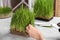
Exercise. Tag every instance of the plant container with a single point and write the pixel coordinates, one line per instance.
(44, 9)
(5, 9)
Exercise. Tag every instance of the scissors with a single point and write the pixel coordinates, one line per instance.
(48, 26)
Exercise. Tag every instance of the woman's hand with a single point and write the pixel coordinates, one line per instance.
(33, 32)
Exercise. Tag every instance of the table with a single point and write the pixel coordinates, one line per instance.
(49, 33)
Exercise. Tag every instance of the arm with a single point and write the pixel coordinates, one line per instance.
(33, 32)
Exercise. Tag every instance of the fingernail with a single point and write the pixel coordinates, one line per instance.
(29, 24)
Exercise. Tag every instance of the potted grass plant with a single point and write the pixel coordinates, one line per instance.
(44, 9)
(5, 12)
(5, 9)
(20, 20)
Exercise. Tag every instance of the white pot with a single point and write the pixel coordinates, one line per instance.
(4, 26)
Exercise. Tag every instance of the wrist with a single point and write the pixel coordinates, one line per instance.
(40, 36)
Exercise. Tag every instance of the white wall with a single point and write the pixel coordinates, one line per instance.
(9, 3)
(31, 4)
(1, 4)
(5, 3)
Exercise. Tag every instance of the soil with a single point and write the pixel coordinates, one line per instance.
(44, 19)
(13, 31)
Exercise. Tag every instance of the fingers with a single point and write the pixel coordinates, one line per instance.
(29, 27)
